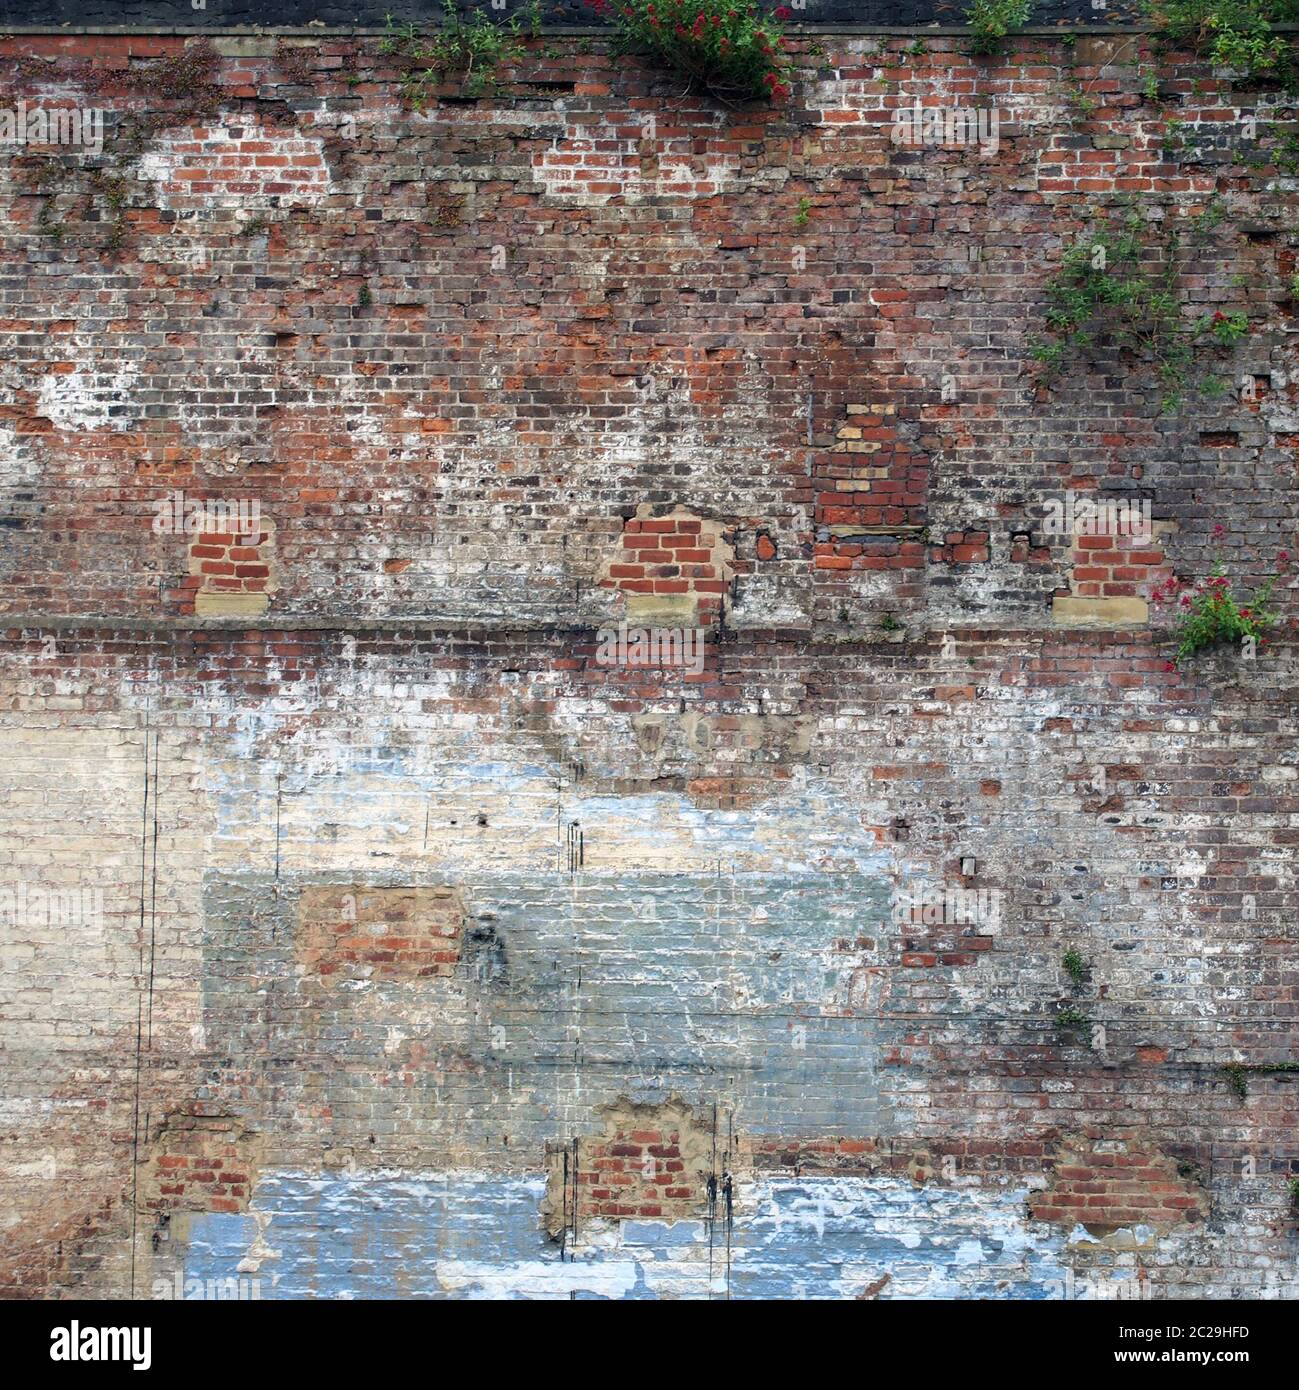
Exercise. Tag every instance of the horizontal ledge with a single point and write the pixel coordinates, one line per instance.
(577, 31)
(825, 632)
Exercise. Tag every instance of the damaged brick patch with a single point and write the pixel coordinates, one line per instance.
(675, 569)
(233, 575)
(199, 1163)
(1105, 1185)
(651, 1161)
(368, 933)
(1110, 578)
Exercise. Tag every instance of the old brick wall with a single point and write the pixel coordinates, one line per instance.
(416, 926)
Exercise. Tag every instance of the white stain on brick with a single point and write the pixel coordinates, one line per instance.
(90, 398)
(585, 168)
(236, 165)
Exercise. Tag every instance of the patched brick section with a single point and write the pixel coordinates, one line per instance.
(925, 945)
(231, 575)
(650, 1161)
(871, 496)
(1110, 578)
(367, 933)
(961, 548)
(200, 1163)
(1110, 566)
(1108, 1184)
(676, 569)
(873, 480)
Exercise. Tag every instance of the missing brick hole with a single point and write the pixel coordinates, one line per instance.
(1219, 439)
(484, 953)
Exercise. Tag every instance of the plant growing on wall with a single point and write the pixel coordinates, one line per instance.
(1238, 1073)
(732, 49)
(1119, 283)
(1208, 613)
(991, 21)
(475, 48)
(1075, 966)
(1070, 1019)
(1236, 34)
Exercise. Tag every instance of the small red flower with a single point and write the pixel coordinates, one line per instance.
(783, 12)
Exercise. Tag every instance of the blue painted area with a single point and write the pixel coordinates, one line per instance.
(456, 1235)
(755, 986)
(828, 1237)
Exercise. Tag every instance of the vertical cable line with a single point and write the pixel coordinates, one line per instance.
(153, 893)
(139, 1003)
(712, 1204)
(730, 1197)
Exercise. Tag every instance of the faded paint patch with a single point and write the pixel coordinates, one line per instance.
(663, 982)
(467, 1235)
